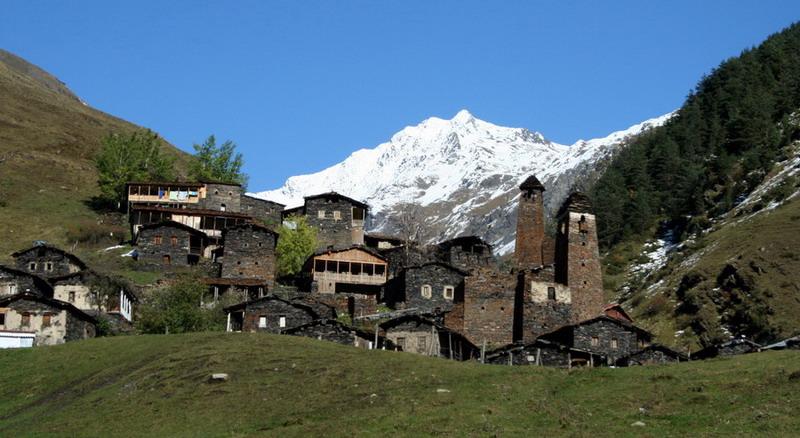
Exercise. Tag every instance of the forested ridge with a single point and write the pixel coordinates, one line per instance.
(718, 147)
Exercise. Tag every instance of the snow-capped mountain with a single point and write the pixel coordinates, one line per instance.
(462, 175)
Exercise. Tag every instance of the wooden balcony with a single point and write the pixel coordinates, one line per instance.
(347, 277)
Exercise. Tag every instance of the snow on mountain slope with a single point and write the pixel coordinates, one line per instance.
(463, 173)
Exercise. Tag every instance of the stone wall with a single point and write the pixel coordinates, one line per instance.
(435, 277)
(219, 195)
(62, 326)
(153, 252)
(600, 336)
(272, 310)
(349, 304)
(528, 250)
(489, 302)
(333, 331)
(13, 282)
(578, 264)
(467, 258)
(333, 220)
(415, 336)
(266, 212)
(537, 354)
(649, 356)
(546, 305)
(249, 252)
(46, 262)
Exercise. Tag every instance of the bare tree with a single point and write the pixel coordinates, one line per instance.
(411, 223)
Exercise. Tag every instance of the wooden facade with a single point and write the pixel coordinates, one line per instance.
(354, 266)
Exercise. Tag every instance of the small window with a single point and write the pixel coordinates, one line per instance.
(422, 343)
(167, 259)
(614, 344)
(282, 321)
(46, 320)
(48, 266)
(230, 193)
(173, 240)
(551, 293)
(320, 214)
(71, 298)
(12, 289)
(32, 266)
(595, 341)
(262, 322)
(2, 318)
(426, 291)
(337, 215)
(26, 319)
(216, 192)
(448, 292)
(256, 263)
(259, 244)
(157, 240)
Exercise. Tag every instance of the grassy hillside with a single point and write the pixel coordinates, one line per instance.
(286, 386)
(48, 139)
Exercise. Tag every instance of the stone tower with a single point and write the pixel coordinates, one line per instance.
(578, 257)
(530, 225)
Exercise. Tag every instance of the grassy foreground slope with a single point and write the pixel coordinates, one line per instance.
(287, 386)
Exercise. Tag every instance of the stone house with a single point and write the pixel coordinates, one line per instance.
(729, 348)
(15, 281)
(651, 355)
(52, 321)
(174, 194)
(466, 253)
(432, 287)
(209, 222)
(416, 334)
(332, 330)
(169, 243)
(221, 196)
(339, 220)
(542, 353)
(609, 337)
(47, 261)
(267, 212)
(350, 279)
(94, 293)
(268, 314)
(249, 252)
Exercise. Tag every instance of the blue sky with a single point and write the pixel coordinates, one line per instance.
(300, 85)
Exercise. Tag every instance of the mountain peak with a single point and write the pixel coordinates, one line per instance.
(463, 116)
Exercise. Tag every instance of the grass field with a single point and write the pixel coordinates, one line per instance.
(287, 386)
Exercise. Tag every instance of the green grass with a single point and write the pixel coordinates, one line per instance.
(48, 140)
(287, 386)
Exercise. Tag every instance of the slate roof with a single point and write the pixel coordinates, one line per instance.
(338, 196)
(531, 183)
(245, 304)
(39, 282)
(70, 256)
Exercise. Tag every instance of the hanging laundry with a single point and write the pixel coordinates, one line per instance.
(173, 196)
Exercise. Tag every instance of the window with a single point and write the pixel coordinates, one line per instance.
(48, 266)
(174, 240)
(282, 321)
(167, 259)
(401, 342)
(157, 240)
(422, 343)
(337, 215)
(26, 319)
(320, 214)
(46, 320)
(380, 269)
(448, 292)
(595, 341)
(32, 266)
(221, 207)
(2, 318)
(262, 322)
(614, 344)
(426, 291)
(71, 298)
(319, 265)
(12, 289)
(551, 293)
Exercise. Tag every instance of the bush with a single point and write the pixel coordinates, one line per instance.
(176, 309)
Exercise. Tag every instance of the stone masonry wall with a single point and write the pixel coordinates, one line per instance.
(151, 252)
(578, 263)
(528, 250)
(489, 301)
(437, 277)
(40, 257)
(218, 194)
(249, 253)
(21, 283)
(272, 310)
(605, 331)
(266, 212)
(542, 313)
(333, 230)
